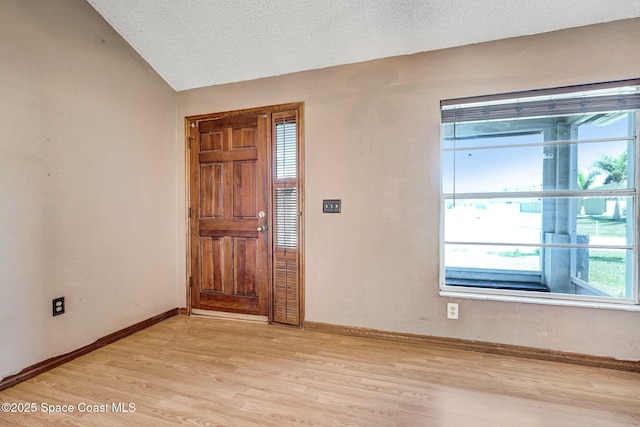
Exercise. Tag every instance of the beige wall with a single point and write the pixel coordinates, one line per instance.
(87, 182)
(92, 183)
(372, 139)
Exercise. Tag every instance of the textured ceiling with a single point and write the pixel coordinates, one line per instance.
(196, 43)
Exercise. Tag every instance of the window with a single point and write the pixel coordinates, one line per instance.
(286, 203)
(285, 183)
(539, 193)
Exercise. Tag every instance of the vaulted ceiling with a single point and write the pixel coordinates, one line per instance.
(197, 43)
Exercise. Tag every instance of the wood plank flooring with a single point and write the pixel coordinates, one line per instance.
(212, 372)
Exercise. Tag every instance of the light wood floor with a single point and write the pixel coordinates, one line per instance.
(203, 371)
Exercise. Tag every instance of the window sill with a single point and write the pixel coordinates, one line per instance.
(558, 300)
(498, 284)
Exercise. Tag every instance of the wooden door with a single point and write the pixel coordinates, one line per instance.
(229, 208)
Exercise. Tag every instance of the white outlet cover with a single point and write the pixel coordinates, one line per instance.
(452, 310)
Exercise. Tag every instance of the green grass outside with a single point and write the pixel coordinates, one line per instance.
(607, 272)
(602, 226)
(516, 253)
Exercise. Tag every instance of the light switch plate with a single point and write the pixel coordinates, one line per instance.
(332, 206)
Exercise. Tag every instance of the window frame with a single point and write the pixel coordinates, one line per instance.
(474, 292)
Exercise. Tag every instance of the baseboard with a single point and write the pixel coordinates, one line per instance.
(183, 311)
(481, 347)
(51, 363)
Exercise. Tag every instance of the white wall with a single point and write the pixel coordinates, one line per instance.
(372, 140)
(87, 182)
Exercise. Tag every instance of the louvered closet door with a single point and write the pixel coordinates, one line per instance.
(230, 194)
(286, 298)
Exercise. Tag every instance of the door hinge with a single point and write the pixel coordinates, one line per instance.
(190, 282)
(189, 213)
(189, 138)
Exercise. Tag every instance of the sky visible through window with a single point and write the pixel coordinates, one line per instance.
(478, 171)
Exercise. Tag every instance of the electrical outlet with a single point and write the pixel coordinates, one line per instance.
(58, 306)
(452, 310)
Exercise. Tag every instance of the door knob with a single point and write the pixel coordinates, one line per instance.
(262, 228)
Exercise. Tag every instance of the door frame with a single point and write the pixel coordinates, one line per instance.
(268, 110)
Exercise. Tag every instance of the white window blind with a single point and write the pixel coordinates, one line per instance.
(286, 217)
(286, 148)
(285, 183)
(603, 97)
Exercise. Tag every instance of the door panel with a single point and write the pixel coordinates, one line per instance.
(212, 264)
(245, 275)
(211, 191)
(244, 138)
(229, 188)
(211, 141)
(245, 183)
